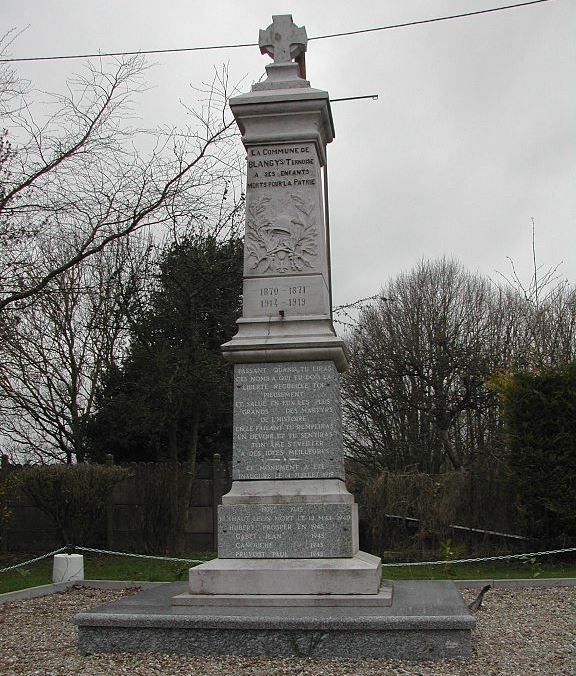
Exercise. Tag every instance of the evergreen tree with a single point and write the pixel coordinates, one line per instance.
(172, 394)
(539, 411)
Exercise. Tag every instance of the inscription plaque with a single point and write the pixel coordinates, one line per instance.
(303, 295)
(286, 531)
(287, 421)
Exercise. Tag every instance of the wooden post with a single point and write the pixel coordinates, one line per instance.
(109, 462)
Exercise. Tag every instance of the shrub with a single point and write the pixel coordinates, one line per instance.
(430, 498)
(480, 497)
(163, 493)
(73, 496)
(539, 411)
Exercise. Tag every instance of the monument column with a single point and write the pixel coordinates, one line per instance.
(288, 526)
(289, 579)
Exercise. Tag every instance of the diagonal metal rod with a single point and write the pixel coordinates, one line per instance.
(374, 97)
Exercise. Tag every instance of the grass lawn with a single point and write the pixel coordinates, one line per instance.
(540, 567)
(100, 567)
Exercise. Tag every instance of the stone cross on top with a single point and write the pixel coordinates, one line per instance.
(283, 40)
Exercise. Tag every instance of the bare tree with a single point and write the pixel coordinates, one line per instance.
(79, 173)
(415, 395)
(53, 357)
(12, 88)
(546, 314)
(75, 187)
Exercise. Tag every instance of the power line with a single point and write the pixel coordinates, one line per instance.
(423, 21)
(254, 44)
(142, 51)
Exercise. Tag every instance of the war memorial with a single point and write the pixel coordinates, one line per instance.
(289, 578)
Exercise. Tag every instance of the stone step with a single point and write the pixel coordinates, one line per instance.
(360, 574)
(426, 620)
(383, 598)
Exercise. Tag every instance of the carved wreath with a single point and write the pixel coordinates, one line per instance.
(285, 243)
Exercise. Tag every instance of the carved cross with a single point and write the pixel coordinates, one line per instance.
(283, 40)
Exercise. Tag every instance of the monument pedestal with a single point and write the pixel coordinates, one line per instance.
(427, 620)
(310, 526)
(284, 529)
(356, 575)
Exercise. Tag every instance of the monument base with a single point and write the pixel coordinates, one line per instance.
(427, 620)
(359, 574)
(382, 598)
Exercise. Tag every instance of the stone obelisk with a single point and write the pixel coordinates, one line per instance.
(288, 526)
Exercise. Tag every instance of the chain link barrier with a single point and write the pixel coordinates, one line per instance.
(483, 558)
(136, 556)
(92, 550)
(38, 558)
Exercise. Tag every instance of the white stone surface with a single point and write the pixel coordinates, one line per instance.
(68, 567)
(274, 339)
(289, 491)
(306, 511)
(285, 116)
(382, 599)
(294, 295)
(281, 76)
(285, 230)
(357, 575)
(283, 40)
(285, 138)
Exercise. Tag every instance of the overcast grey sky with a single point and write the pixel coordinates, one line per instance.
(474, 132)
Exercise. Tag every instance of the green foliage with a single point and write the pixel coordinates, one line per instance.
(100, 567)
(173, 388)
(539, 410)
(534, 565)
(73, 496)
(451, 552)
(485, 570)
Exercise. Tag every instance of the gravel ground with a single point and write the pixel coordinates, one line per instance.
(520, 631)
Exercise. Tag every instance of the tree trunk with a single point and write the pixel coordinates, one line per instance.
(190, 466)
(454, 461)
(173, 489)
(192, 448)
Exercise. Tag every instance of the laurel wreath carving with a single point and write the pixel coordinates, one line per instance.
(285, 243)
